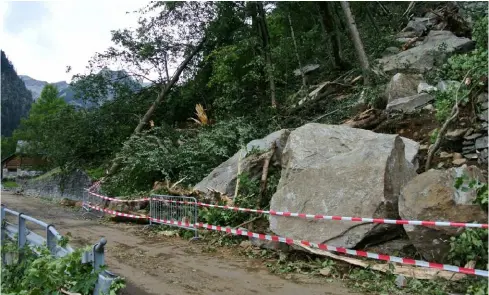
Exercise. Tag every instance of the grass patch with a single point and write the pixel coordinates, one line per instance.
(96, 173)
(10, 184)
(48, 174)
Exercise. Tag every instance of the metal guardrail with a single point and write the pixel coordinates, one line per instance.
(26, 237)
(174, 208)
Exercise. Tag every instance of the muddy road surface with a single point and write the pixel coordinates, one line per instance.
(170, 265)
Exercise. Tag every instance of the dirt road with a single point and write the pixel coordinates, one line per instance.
(170, 265)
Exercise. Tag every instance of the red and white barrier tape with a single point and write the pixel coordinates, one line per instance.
(408, 261)
(311, 216)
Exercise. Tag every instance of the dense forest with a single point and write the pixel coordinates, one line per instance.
(217, 75)
(16, 99)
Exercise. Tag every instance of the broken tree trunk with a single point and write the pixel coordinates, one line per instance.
(301, 69)
(263, 30)
(264, 175)
(165, 89)
(357, 41)
(330, 23)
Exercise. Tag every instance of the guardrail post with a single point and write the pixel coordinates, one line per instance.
(22, 232)
(98, 254)
(2, 217)
(50, 240)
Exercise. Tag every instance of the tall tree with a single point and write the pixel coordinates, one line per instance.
(301, 69)
(260, 22)
(38, 129)
(357, 41)
(167, 32)
(331, 27)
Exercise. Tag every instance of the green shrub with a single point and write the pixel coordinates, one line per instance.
(162, 153)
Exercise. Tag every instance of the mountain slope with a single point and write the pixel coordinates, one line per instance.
(16, 99)
(67, 93)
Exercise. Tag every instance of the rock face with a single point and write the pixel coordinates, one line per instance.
(422, 58)
(402, 85)
(223, 178)
(432, 196)
(338, 170)
(409, 104)
(56, 186)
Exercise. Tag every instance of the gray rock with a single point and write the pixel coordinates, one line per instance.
(425, 87)
(402, 85)
(390, 51)
(429, 107)
(482, 157)
(403, 39)
(418, 25)
(455, 134)
(483, 126)
(407, 34)
(459, 162)
(55, 185)
(468, 142)
(270, 245)
(422, 58)
(472, 136)
(432, 196)
(472, 156)
(401, 281)
(484, 105)
(481, 143)
(468, 150)
(482, 98)
(446, 85)
(223, 177)
(307, 69)
(445, 155)
(409, 104)
(338, 170)
(483, 116)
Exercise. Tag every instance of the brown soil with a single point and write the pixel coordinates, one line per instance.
(170, 265)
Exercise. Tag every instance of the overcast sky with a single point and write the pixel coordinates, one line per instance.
(42, 38)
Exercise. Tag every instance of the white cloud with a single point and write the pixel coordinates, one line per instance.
(72, 33)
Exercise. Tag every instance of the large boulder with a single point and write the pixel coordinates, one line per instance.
(432, 196)
(402, 85)
(409, 104)
(223, 178)
(338, 170)
(422, 57)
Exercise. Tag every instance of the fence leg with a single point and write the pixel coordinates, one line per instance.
(150, 210)
(50, 240)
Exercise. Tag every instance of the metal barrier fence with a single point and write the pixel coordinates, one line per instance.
(174, 208)
(90, 199)
(26, 237)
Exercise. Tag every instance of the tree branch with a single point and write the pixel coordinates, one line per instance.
(453, 115)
